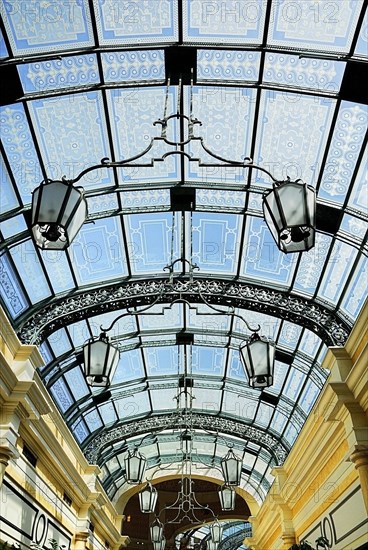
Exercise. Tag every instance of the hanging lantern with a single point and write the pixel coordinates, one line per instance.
(212, 545)
(216, 531)
(100, 361)
(290, 213)
(157, 531)
(227, 497)
(58, 212)
(147, 499)
(159, 545)
(135, 465)
(258, 356)
(186, 444)
(231, 468)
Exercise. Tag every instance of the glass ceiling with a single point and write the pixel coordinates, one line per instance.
(274, 81)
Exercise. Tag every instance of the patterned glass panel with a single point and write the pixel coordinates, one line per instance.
(310, 25)
(237, 22)
(13, 225)
(72, 136)
(136, 22)
(19, 149)
(227, 65)
(357, 290)
(321, 75)
(8, 197)
(210, 361)
(149, 241)
(133, 66)
(98, 252)
(281, 146)
(215, 242)
(76, 383)
(65, 25)
(10, 288)
(130, 367)
(30, 271)
(359, 195)
(344, 150)
(54, 74)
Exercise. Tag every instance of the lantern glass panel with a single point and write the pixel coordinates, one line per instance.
(156, 531)
(148, 499)
(216, 531)
(212, 545)
(227, 498)
(231, 469)
(100, 361)
(135, 465)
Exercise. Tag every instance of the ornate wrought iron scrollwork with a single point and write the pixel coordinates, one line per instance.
(332, 328)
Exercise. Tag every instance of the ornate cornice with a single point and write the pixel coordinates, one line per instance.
(333, 329)
(212, 424)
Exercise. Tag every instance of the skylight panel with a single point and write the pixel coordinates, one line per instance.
(357, 291)
(59, 342)
(140, 22)
(30, 271)
(149, 240)
(3, 48)
(60, 73)
(130, 367)
(216, 242)
(322, 75)
(12, 226)
(58, 268)
(134, 66)
(162, 361)
(77, 383)
(226, 114)
(312, 264)
(210, 361)
(220, 198)
(10, 288)
(8, 199)
(61, 395)
(162, 317)
(143, 198)
(344, 150)
(362, 43)
(65, 26)
(231, 22)
(359, 193)
(98, 252)
(261, 259)
(338, 269)
(292, 135)
(164, 399)
(311, 25)
(227, 65)
(72, 135)
(19, 148)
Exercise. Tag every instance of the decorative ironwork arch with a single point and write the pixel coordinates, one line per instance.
(200, 421)
(332, 328)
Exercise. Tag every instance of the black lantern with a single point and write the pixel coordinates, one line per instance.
(290, 213)
(231, 468)
(157, 531)
(58, 212)
(100, 360)
(258, 355)
(227, 497)
(135, 465)
(186, 443)
(216, 531)
(148, 499)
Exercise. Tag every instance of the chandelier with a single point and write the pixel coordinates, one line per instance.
(59, 209)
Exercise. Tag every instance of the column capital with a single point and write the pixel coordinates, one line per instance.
(359, 456)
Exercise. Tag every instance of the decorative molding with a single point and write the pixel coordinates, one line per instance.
(210, 423)
(332, 328)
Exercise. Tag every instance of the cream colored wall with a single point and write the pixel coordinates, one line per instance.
(28, 415)
(322, 488)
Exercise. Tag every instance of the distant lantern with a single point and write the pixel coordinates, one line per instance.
(58, 212)
(290, 213)
(216, 531)
(135, 465)
(231, 468)
(157, 531)
(100, 360)
(258, 355)
(147, 499)
(227, 497)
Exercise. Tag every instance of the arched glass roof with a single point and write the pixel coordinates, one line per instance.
(279, 82)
